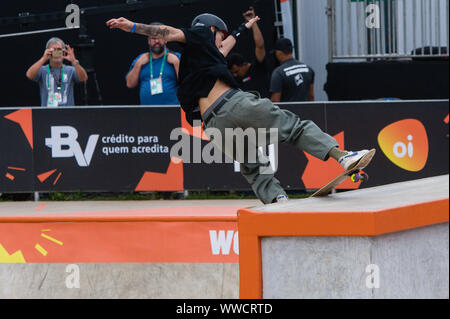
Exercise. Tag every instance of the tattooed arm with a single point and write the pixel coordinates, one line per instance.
(164, 32)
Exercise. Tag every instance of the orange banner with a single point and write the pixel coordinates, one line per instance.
(121, 241)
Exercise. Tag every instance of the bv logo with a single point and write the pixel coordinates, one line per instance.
(67, 136)
(405, 143)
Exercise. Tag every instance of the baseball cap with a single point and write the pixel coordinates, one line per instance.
(284, 45)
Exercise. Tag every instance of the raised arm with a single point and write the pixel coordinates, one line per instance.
(34, 69)
(164, 32)
(70, 56)
(260, 51)
(230, 41)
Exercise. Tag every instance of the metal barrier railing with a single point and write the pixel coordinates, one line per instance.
(387, 29)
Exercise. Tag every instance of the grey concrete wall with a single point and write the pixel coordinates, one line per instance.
(121, 280)
(312, 41)
(412, 264)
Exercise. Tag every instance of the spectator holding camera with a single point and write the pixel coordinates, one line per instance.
(56, 79)
(252, 75)
(156, 73)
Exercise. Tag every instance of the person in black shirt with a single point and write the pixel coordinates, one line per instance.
(252, 75)
(292, 81)
(207, 90)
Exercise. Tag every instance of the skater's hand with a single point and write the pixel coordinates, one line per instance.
(121, 23)
(251, 22)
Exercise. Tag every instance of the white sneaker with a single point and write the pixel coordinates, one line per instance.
(351, 159)
(281, 198)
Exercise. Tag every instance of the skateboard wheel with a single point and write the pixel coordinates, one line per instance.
(355, 178)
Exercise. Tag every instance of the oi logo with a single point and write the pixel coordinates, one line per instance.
(405, 143)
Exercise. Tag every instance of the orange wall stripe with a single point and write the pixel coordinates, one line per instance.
(250, 270)
(129, 242)
(411, 216)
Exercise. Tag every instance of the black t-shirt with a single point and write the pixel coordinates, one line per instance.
(201, 65)
(257, 78)
(292, 79)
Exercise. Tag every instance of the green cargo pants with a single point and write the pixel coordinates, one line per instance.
(245, 110)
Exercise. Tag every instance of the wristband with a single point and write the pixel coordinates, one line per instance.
(133, 28)
(241, 29)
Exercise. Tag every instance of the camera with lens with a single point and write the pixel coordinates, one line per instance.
(57, 53)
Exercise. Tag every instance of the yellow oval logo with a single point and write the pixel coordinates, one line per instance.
(405, 143)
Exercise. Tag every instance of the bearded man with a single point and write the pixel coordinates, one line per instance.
(156, 73)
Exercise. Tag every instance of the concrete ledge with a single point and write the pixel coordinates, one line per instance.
(381, 225)
(411, 264)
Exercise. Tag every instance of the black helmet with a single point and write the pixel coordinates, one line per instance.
(208, 20)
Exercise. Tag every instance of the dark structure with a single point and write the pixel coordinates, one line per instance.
(413, 79)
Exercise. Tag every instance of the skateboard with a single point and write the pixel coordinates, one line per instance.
(354, 173)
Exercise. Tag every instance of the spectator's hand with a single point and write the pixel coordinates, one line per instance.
(121, 23)
(249, 14)
(47, 54)
(251, 22)
(143, 59)
(172, 58)
(70, 54)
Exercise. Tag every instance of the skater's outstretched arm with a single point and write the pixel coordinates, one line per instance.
(167, 33)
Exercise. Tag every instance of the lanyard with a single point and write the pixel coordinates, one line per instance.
(48, 77)
(162, 65)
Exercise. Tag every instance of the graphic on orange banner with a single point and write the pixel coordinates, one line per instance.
(446, 121)
(25, 120)
(40, 207)
(405, 143)
(172, 180)
(16, 257)
(11, 176)
(189, 234)
(197, 131)
(318, 173)
(43, 177)
(17, 168)
(57, 178)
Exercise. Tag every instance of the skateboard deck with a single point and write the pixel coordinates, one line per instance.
(354, 173)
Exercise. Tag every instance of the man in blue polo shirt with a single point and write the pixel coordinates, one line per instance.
(156, 73)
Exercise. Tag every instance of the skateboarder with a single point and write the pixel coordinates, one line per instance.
(208, 91)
